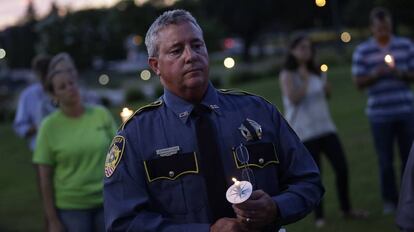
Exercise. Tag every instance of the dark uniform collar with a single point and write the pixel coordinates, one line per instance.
(183, 109)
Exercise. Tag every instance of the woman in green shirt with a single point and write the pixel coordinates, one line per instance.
(70, 153)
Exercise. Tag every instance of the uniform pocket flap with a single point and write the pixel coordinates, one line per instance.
(260, 155)
(171, 167)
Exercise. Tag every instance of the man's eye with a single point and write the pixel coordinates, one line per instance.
(175, 52)
(198, 46)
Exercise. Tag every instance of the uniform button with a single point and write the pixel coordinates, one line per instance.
(171, 173)
(261, 161)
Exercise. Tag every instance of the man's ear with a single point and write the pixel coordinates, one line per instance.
(153, 63)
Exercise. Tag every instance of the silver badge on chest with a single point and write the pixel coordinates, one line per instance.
(251, 130)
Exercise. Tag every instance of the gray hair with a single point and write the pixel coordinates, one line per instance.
(167, 18)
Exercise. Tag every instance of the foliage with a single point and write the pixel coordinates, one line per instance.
(134, 95)
(402, 11)
(246, 76)
(101, 33)
(159, 91)
(247, 18)
(19, 42)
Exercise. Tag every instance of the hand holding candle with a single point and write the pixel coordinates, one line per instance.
(324, 69)
(389, 60)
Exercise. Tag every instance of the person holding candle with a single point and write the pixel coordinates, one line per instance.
(304, 93)
(70, 153)
(170, 164)
(384, 66)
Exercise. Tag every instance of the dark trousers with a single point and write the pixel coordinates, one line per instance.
(83, 220)
(330, 145)
(385, 134)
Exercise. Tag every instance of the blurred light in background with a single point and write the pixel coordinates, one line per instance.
(145, 75)
(324, 68)
(228, 43)
(125, 114)
(103, 79)
(346, 37)
(164, 2)
(62, 12)
(169, 2)
(2, 53)
(229, 62)
(122, 6)
(139, 2)
(137, 40)
(320, 3)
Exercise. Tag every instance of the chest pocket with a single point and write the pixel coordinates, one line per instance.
(260, 156)
(263, 161)
(168, 179)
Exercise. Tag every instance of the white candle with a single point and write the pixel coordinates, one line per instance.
(239, 192)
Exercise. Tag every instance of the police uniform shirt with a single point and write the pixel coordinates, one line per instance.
(153, 181)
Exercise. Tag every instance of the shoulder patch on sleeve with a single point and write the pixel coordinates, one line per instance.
(150, 106)
(241, 93)
(114, 155)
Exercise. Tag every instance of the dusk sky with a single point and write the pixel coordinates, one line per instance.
(12, 10)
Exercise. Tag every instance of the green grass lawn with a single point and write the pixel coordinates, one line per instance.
(20, 206)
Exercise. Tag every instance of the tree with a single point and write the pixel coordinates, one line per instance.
(244, 18)
(93, 33)
(250, 19)
(402, 12)
(19, 40)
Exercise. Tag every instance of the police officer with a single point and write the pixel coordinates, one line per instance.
(170, 164)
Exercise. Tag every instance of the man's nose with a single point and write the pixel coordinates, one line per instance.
(189, 54)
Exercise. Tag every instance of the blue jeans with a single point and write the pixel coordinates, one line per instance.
(385, 133)
(88, 220)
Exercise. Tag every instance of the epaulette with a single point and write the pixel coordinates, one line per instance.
(234, 92)
(150, 106)
(241, 93)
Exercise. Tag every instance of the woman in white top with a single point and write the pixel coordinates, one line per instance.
(304, 92)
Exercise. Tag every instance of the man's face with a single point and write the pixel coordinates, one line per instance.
(182, 61)
(381, 28)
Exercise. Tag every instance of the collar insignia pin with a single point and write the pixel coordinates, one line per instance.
(183, 114)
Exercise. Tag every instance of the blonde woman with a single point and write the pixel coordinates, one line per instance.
(70, 153)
